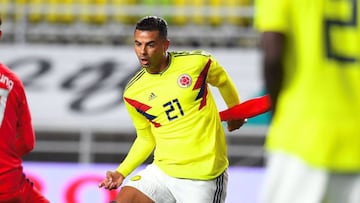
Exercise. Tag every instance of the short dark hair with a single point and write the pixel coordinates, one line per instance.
(153, 23)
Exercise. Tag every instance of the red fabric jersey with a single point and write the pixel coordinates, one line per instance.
(16, 132)
(247, 109)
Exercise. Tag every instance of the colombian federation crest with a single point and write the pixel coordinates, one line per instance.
(184, 80)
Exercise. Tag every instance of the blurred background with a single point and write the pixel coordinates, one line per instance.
(110, 22)
(75, 57)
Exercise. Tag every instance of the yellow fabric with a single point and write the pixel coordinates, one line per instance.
(185, 124)
(318, 112)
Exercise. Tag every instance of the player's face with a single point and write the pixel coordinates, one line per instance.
(151, 50)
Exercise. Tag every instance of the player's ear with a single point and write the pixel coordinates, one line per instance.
(166, 45)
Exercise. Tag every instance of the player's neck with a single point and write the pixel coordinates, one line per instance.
(166, 64)
(163, 66)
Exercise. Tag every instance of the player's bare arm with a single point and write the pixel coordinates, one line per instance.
(273, 46)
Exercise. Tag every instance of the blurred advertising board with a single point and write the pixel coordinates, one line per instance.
(72, 87)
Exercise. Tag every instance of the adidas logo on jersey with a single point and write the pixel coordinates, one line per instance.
(152, 96)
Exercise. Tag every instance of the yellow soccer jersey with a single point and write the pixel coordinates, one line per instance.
(318, 111)
(178, 106)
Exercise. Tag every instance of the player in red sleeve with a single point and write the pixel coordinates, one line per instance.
(247, 109)
(16, 140)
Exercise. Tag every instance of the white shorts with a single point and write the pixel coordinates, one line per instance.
(289, 179)
(162, 188)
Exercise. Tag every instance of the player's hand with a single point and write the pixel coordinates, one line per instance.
(113, 180)
(235, 124)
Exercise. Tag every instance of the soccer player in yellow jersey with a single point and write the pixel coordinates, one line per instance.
(312, 72)
(175, 115)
